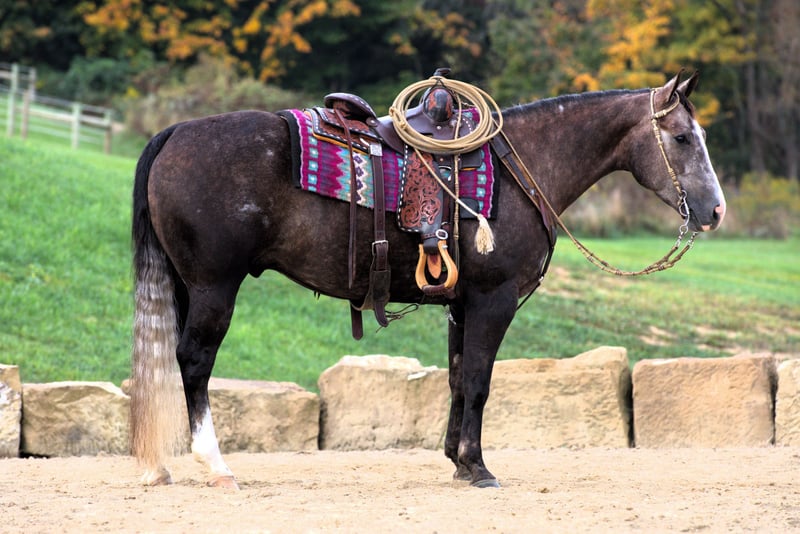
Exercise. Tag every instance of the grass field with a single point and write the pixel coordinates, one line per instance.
(66, 304)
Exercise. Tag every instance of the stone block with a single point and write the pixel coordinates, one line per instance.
(380, 402)
(259, 416)
(697, 402)
(582, 401)
(10, 410)
(74, 419)
(787, 404)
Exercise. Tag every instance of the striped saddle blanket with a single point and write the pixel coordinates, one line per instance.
(323, 167)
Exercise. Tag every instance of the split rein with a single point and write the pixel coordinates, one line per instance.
(487, 129)
(668, 260)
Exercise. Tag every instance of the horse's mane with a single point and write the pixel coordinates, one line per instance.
(548, 104)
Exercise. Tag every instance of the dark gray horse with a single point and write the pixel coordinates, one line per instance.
(214, 201)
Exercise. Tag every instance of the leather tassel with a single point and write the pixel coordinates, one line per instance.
(484, 238)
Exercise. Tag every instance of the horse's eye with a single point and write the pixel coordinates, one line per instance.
(682, 139)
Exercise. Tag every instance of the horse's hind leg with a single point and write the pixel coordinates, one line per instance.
(205, 325)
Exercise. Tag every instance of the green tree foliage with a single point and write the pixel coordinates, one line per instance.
(519, 50)
(43, 32)
(387, 46)
(540, 50)
(94, 81)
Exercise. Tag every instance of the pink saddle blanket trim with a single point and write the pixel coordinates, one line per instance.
(324, 168)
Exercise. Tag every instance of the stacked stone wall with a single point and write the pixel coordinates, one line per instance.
(380, 402)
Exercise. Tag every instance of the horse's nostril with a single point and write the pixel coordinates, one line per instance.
(719, 214)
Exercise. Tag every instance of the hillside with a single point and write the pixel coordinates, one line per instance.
(64, 245)
(66, 285)
(66, 305)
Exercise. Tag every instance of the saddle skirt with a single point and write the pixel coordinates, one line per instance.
(321, 163)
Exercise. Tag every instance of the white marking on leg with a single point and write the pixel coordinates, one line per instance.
(156, 477)
(205, 447)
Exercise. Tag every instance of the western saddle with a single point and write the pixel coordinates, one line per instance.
(424, 206)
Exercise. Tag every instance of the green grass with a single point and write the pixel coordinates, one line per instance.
(64, 282)
(66, 305)
(726, 296)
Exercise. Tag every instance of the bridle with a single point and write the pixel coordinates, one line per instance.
(683, 207)
(532, 190)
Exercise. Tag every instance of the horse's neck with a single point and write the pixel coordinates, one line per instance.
(569, 143)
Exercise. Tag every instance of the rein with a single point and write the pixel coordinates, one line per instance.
(532, 190)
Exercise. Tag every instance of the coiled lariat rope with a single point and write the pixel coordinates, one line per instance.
(487, 127)
(464, 93)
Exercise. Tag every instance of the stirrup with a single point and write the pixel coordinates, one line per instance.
(452, 271)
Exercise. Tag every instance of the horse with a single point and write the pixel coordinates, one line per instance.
(213, 202)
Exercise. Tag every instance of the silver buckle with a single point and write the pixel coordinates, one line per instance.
(379, 242)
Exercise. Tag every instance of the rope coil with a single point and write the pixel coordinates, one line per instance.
(466, 95)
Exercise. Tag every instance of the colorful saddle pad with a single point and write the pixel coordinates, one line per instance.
(324, 167)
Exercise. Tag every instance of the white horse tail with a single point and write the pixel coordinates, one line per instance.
(158, 420)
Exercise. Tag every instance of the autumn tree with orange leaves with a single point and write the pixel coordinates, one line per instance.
(247, 33)
(748, 52)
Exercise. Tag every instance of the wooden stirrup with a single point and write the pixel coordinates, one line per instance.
(452, 271)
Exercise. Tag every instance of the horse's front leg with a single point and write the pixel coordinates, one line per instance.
(207, 323)
(455, 348)
(487, 316)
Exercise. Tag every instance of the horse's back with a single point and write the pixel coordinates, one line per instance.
(226, 144)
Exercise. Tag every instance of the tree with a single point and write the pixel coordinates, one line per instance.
(541, 49)
(40, 32)
(249, 33)
(749, 52)
(387, 46)
(786, 42)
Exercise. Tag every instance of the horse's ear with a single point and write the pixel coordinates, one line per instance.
(687, 86)
(665, 93)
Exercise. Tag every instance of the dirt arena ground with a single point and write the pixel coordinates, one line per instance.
(561, 490)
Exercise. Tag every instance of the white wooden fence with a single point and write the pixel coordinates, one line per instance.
(25, 112)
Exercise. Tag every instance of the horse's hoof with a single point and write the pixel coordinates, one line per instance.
(224, 481)
(158, 477)
(462, 473)
(486, 483)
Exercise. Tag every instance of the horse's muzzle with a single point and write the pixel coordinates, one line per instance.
(716, 218)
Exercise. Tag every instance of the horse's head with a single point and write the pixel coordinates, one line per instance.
(673, 159)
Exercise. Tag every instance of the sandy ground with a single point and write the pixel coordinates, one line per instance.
(590, 490)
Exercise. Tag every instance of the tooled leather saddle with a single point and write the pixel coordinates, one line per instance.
(423, 206)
